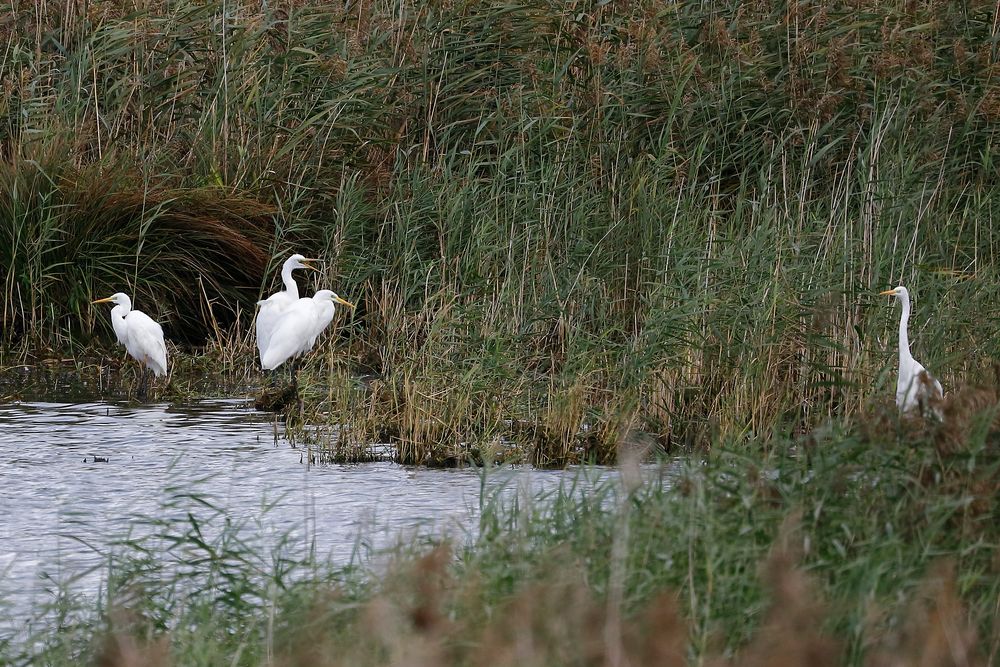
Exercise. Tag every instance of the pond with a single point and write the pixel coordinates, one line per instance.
(75, 476)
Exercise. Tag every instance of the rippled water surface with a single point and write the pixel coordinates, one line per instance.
(59, 508)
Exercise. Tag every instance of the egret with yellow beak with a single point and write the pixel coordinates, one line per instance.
(141, 336)
(916, 388)
(272, 308)
(299, 327)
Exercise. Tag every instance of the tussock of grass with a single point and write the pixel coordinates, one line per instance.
(191, 258)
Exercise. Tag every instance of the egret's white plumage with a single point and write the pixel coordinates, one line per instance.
(915, 386)
(272, 308)
(324, 313)
(141, 336)
(299, 326)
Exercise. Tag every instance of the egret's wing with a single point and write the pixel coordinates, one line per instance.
(145, 341)
(268, 317)
(908, 385)
(291, 335)
(324, 315)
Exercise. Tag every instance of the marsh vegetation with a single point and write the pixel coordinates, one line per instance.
(571, 230)
(617, 216)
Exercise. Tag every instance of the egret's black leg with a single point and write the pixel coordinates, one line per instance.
(143, 384)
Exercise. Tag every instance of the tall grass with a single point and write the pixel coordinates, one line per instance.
(870, 545)
(592, 218)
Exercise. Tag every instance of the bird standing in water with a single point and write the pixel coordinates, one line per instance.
(141, 336)
(916, 388)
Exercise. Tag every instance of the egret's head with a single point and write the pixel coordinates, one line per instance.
(898, 292)
(345, 302)
(118, 298)
(298, 261)
(328, 295)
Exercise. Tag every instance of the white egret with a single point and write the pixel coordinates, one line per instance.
(141, 336)
(915, 386)
(273, 306)
(299, 327)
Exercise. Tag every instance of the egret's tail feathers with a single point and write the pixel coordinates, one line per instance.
(158, 366)
(273, 357)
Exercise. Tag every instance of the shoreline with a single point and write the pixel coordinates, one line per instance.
(315, 420)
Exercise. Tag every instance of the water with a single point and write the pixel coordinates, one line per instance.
(60, 509)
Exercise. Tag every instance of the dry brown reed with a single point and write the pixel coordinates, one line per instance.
(425, 617)
(130, 642)
(937, 631)
(791, 634)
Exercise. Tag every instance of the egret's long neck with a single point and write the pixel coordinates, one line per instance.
(290, 286)
(118, 314)
(904, 339)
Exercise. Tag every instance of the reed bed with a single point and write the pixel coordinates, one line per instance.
(563, 222)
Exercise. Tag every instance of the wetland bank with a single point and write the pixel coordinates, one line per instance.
(575, 233)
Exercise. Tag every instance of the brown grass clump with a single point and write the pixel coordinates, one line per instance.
(969, 426)
(192, 258)
(937, 632)
(950, 423)
(124, 646)
(552, 622)
(658, 636)
(962, 411)
(967, 412)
